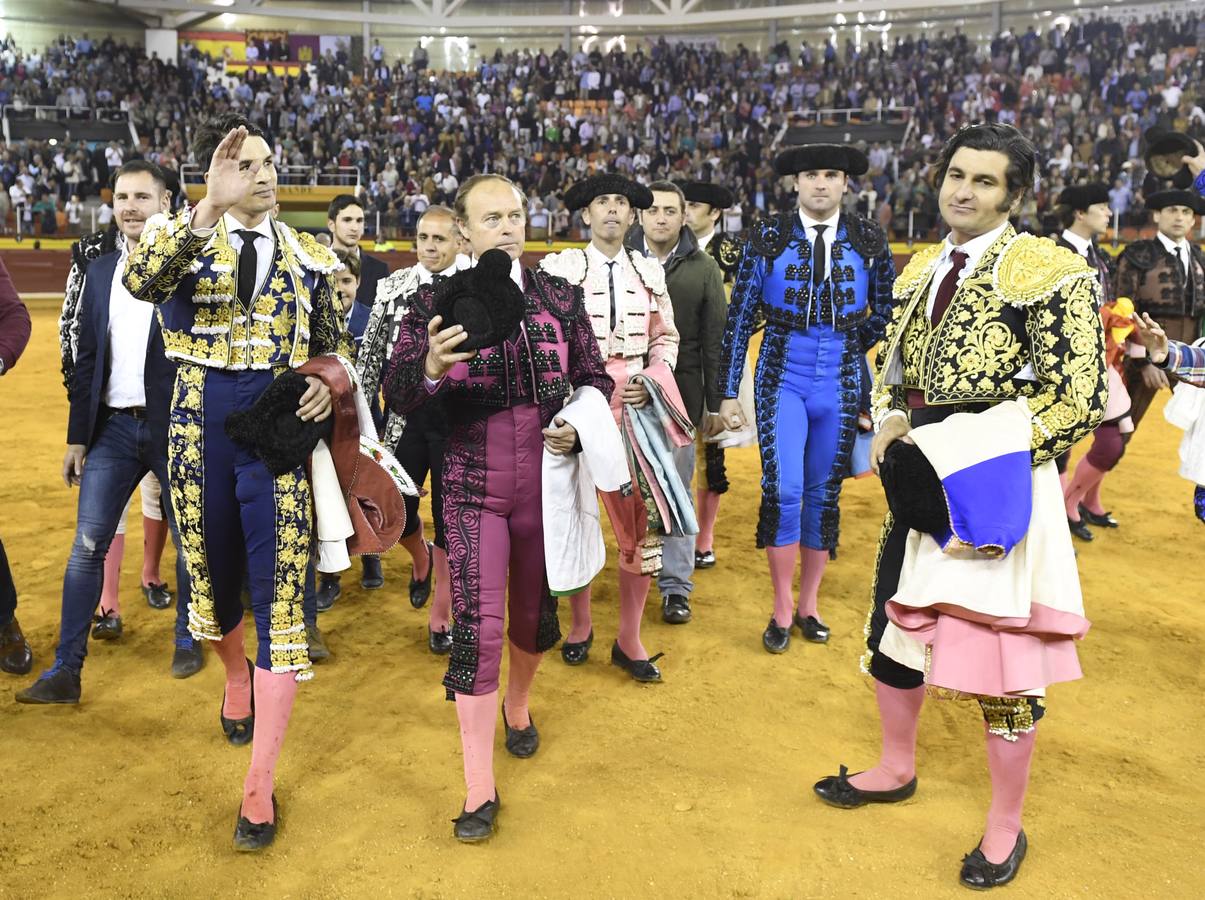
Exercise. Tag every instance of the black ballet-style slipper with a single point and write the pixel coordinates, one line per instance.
(252, 836)
(837, 791)
(980, 875)
(575, 654)
(521, 742)
(642, 670)
(472, 827)
(240, 731)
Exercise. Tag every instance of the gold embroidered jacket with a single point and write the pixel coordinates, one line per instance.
(193, 280)
(1028, 303)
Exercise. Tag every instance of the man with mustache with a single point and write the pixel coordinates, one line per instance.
(1000, 628)
(417, 438)
(633, 320)
(116, 430)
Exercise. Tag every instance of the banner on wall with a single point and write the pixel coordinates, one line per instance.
(304, 48)
(268, 46)
(230, 45)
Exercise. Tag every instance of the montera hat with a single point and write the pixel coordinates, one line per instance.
(1081, 196)
(813, 157)
(580, 195)
(273, 431)
(483, 300)
(714, 195)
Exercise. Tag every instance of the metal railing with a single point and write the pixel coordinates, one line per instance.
(290, 176)
(849, 115)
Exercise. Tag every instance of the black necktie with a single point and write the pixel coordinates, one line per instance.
(611, 286)
(819, 257)
(247, 259)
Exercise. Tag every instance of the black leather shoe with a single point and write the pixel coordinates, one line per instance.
(1104, 520)
(372, 576)
(775, 638)
(837, 791)
(675, 609)
(54, 686)
(318, 649)
(1080, 530)
(521, 742)
(812, 629)
(157, 596)
(576, 654)
(16, 657)
(239, 731)
(478, 825)
(107, 627)
(704, 560)
(187, 661)
(643, 670)
(982, 875)
(439, 642)
(251, 836)
(421, 590)
(329, 589)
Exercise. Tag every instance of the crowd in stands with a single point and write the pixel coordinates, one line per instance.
(1084, 92)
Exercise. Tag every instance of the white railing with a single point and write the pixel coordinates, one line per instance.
(291, 176)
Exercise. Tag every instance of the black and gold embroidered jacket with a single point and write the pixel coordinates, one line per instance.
(1154, 279)
(193, 280)
(725, 249)
(1027, 303)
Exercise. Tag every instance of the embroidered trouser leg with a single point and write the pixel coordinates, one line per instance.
(236, 517)
(493, 520)
(639, 552)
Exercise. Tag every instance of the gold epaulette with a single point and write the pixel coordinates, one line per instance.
(916, 271)
(1031, 269)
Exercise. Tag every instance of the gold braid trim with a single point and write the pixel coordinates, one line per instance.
(864, 660)
(916, 272)
(288, 649)
(1031, 269)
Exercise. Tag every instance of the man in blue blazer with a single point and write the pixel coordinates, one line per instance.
(116, 432)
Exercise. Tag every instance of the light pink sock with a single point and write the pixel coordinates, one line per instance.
(154, 538)
(583, 623)
(522, 673)
(274, 696)
(709, 511)
(1086, 475)
(810, 573)
(109, 602)
(416, 546)
(1064, 478)
(1008, 762)
(232, 651)
(441, 606)
(899, 713)
(782, 576)
(1092, 501)
(633, 592)
(478, 717)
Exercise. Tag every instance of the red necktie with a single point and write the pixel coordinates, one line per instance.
(949, 284)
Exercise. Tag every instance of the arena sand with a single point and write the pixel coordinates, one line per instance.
(699, 787)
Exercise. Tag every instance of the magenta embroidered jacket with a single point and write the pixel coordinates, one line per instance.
(553, 353)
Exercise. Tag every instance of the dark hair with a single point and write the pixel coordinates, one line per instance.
(210, 133)
(340, 203)
(1022, 158)
(349, 261)
(669, 187)
(462, 195)
(1066, 213)
(134, 166)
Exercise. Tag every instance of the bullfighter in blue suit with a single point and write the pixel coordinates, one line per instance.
(820, 280)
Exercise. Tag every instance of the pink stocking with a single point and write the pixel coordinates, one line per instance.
(416, 546)
(522, 673)
(478, 718)
(579, 605)
(1008, 762)
(1086, 476)
(154, 537)
(1092, 501)
(633, 592)
(274, 695)
(109, 602)
(709, 510)
(441, 606)
(899, 712)
(232, 652)
(810, 574)
(782, 576)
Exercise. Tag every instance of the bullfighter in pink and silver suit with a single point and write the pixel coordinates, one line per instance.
(502, 403)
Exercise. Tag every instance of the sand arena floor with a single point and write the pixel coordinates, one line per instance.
(699, 787)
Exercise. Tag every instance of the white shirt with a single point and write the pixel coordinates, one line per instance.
(265, 247)
(830, 235)
(706, 239)
(1179, 249)
(649, 251)
(974, 249)
(1080, 244)
(129, 329)
(623, 273)
(426, 276)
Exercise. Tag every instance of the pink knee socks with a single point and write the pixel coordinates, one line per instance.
(583, 623)
(522, 673)
(633, 592)
(709, 509)
(810, 575)
(782, 577)
(1008, 762)
(233, 654)
(1085, 478)
(1092, 501)
(478, 717)
(154, 538)
(416, 546)
(274, 695)
(441, 606)
(899, 712)
(109, 602)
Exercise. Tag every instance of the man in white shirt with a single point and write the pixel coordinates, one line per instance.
(120, 397)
